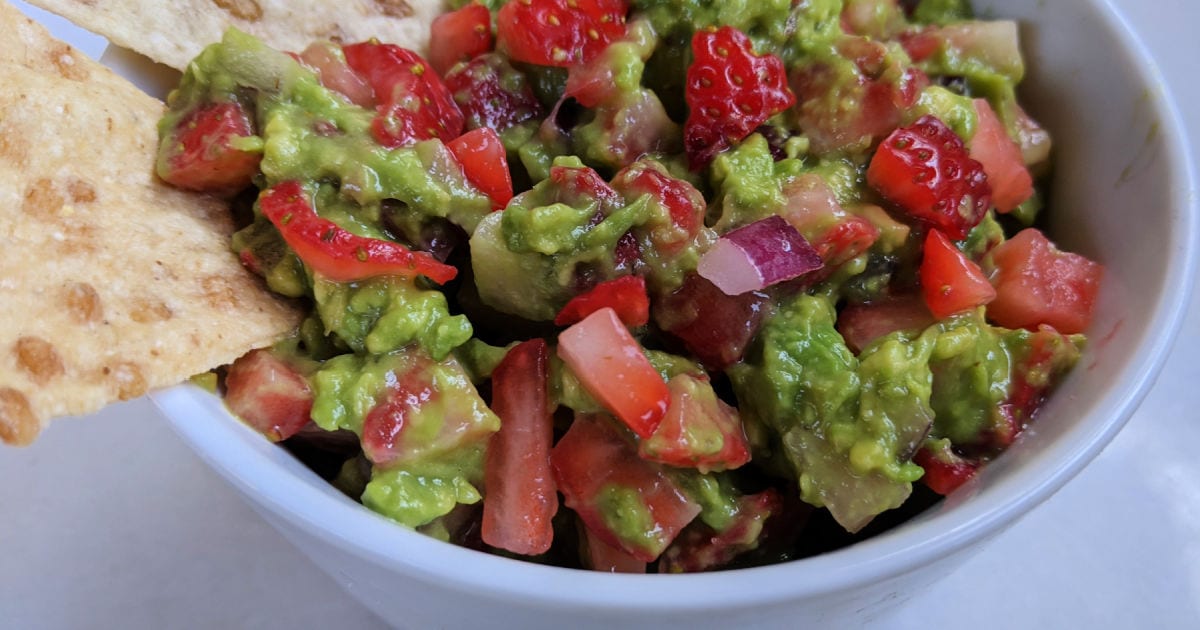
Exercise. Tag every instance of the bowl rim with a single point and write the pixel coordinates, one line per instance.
(356, 530)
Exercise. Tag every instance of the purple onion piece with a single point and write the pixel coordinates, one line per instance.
(758, 255)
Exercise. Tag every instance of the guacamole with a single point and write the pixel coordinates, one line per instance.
(694, 283)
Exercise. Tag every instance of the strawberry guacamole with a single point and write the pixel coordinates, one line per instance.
(646, 285)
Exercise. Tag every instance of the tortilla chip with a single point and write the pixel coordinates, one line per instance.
(111, 282)
(174, 32)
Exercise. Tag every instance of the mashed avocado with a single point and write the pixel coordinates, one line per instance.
(601, 187)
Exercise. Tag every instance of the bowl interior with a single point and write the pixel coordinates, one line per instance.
(1123, 194)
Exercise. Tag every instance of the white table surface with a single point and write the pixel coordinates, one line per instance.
(111, 521)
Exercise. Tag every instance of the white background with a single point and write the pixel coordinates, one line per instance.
(111, 522)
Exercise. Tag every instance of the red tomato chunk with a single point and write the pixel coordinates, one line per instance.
(602, 477)
(1038, 284)
(610, 365)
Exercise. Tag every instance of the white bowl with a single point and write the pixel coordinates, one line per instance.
(1123, 194)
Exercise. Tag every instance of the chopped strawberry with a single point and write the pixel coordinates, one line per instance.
(625, 295)
(268, 394)
(335, 253)
(925, 170)
(485, 163)
(200, 154)
(521, 495)
(491, 93)
(1001, 159)
(459, 35)
(950, 282)
(559, 32)
(730, 92)
(414, 104)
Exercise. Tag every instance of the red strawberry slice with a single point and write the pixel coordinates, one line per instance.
(559, 32)
(414, 104)
(730, 92)
(491, 93)
(481, 153)
(459, 36)
(924, 169)
(202, 156)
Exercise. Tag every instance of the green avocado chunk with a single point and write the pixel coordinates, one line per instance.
(848, 425)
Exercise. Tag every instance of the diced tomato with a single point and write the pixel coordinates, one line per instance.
(413, 103)
(459, 35)
(944, 470)
(699, 431)
(1001, 159)
(714, 327)
(625, 295)
(327, 60)
(335, 253)
(606, 558)
(485, 163)
(860, 324)
(421, 415)
(699, 548)
(202, 156)
(610, 365)
(268, 394)
(1037, 284)
(599, 472)
(950, 282)
(521, 495)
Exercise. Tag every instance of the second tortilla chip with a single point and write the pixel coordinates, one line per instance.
(173, 33)
(111, 282)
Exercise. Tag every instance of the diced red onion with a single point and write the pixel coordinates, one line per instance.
(758, 255)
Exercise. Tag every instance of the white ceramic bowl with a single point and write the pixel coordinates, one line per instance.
(1123, 194)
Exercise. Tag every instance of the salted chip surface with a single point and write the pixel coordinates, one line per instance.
(111, 282)
(173, 33)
